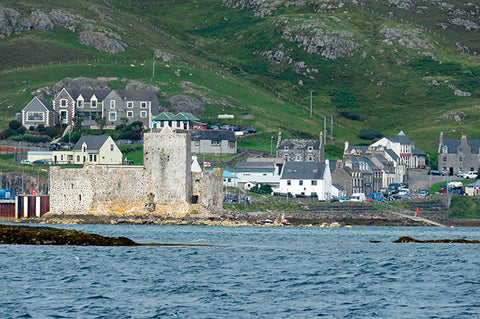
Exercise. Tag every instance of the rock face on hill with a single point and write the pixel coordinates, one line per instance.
(11, 21)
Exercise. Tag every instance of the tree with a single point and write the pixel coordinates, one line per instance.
(370, 134)
(101, 121)
(77, 123)
(14, 125)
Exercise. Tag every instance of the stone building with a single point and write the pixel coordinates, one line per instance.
(300, 150)
(459, 155)
(164, 183)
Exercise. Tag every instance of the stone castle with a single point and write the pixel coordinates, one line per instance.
(165, 183)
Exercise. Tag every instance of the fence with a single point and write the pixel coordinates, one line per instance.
(25, 206)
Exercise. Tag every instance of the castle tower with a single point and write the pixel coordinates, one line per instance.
(167, 161)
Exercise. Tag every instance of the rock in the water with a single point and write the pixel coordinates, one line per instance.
(26, 235)
(407, 239)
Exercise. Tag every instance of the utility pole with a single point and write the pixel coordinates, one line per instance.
(331, 129)
(153, 68)
(311, 103)
(324, 130)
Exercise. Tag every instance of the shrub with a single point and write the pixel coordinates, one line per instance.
(370, 134)
(14, 125)
(351, 116)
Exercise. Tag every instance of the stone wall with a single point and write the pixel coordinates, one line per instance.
(209, 189)
(97, 189)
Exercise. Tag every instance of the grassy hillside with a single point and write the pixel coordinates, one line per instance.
(371, 65)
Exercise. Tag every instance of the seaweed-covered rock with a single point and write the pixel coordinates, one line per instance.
(26, 235)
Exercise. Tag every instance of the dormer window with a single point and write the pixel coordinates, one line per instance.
(285, 148)
(93, 103)
(445, 149)
(80, 103)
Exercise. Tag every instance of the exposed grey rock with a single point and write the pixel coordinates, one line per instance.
(136, 85)
(101, 40)
(81, 83)
(407, 38)
(38, 20)
(65, 19)
(467, 24)
(455, 116)
(163, 55)
(402, 4)
(458, 92)
(182, 103)
(8, 20)
(277, 56)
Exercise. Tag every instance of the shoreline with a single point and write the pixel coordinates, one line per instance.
(298, 219)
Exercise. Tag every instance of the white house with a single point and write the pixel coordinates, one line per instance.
(94, 149)
(306, 179)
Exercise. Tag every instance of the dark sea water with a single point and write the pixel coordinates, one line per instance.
(264, 272)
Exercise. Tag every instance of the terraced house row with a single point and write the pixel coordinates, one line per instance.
(107, 108)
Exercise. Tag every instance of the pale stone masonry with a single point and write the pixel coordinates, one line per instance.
(163, 184)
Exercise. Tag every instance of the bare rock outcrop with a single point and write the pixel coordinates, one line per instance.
(38, 20)
(182, 103)
(8, 20)
(410, 39)
(163, 55)
(81, 83)
(101, 40)
(136, 85)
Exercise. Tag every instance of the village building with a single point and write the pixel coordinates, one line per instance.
(92, 149)
(114, 107)
(458, 155)
(213, 142)
(306, 179)
(38, 112)
(300, 150)
(256, 171)
(181, 121)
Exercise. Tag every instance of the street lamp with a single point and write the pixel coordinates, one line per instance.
(271, 145)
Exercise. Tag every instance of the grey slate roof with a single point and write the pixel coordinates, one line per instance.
(136, 95)
(454, 144)
(362, 148)
(416, 151)
(37, 103)
(94, 142)
(213, 135)
(392, 154)
(400, 138)
(255, 165)
(302, 144)
(303, 170)
(88, 93)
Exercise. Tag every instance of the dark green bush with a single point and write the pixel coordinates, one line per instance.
(370, 134)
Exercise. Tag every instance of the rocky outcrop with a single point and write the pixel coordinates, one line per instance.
(25, 235)
(37, 20)
(182, 103)
(163, 55)
(136, 85)
(81, 83)
(410, 39)
(8, 20)
(101, 40)
(407, 239)
(456, 116)
(12, 21)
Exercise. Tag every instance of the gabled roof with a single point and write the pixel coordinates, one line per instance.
(94, 142)
(400, 138)
(182, 116)
(419, 152)
(299, 144)
(213, 135)
(453, 145)
(40, 102)
(303, 170)
(358, 147)
(392, 154)
(136, 95)
(87, 94)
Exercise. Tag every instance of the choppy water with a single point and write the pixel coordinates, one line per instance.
(266, 273)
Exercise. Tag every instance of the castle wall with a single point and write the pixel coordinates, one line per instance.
(98, 189)
(209, 189)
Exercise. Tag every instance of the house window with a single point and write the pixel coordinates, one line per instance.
(143, 105)
(111, 147)
(35, 116)
(94, 103)
(63, 103)
(91, 158)
(285, 148)
(143, 114)
(78, 158)
(310, 148)
(63, 116)
(215, 143)
(310, 158)
(112, 104)
(130, 105)
(445, 159)
(129, 113)
(298, 157)
(300, 183)
(80, 103)
(197, 143)
(112, 116)
(460, 159)
(314, 183)
(289, 182)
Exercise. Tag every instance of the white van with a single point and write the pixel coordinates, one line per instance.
(358, 197)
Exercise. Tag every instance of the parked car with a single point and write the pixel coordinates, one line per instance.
(470, 175)
(25, 161)
(434, 172)
(424, 193)
(250, 130)
(42, 162)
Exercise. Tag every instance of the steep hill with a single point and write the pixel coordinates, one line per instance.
(371, 65)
